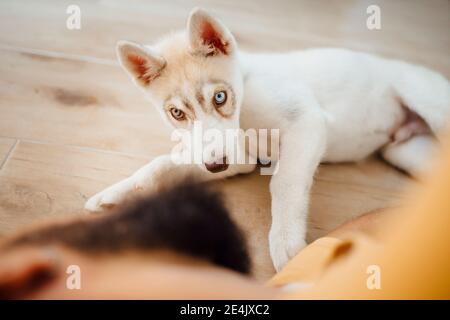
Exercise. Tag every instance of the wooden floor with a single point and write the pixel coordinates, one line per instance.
(71, 123)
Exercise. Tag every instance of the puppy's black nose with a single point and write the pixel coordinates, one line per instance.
(217, 167)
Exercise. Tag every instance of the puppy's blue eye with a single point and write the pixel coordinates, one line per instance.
(220, 98)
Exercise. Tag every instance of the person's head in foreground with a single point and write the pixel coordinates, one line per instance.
(182, 244)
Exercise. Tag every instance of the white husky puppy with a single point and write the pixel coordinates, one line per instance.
(330, 105)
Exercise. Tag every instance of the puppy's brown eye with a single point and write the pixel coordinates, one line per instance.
(220, 98)
(177, 114)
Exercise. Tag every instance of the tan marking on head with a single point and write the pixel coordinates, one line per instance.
(187, 76)
(188, 106)
(200, 98)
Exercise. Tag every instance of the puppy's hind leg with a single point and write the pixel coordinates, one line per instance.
(414, 155)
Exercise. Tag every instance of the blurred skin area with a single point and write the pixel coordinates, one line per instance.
(40, 273)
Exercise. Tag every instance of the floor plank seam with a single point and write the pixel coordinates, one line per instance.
(60, 55)
(10, 152)
(81, 148)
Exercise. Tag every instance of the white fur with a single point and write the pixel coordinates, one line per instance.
(330, 105)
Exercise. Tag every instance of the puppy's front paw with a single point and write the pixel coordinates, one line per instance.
(108, 198)
(284, 245)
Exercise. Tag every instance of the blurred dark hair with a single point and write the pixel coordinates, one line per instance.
(190, 219)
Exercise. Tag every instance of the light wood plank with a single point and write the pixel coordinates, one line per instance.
(77, 103)
(416, 31)
(45, 180)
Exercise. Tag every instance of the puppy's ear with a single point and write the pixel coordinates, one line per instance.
(208, 36)
(140, 62)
